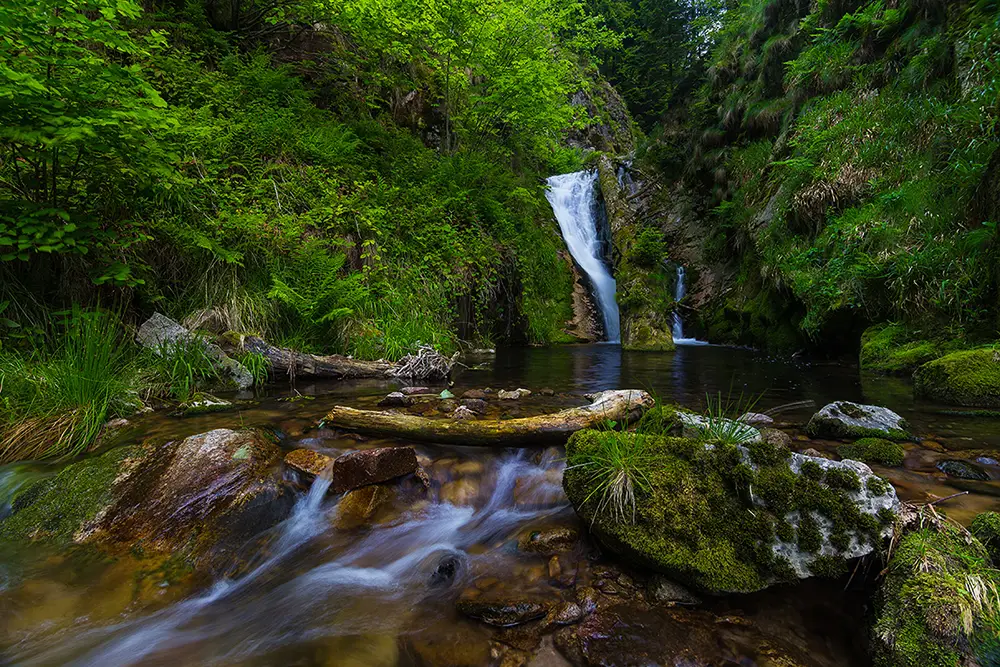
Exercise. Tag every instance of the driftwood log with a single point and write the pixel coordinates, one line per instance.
(295, 364)
(554, 428)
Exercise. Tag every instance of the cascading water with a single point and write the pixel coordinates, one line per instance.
(574, 200)
(678, 324)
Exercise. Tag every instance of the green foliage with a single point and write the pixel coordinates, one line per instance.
(257, 364)
(181, 368)
(967, 378)
(721, 424)
(986, 528)
(895, 349)
(874, 450)
(56, 400)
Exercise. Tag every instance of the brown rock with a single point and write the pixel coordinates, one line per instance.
(502, 613)
(460, 492)
(410, 391)
(773, 436)
(371, 466)
(475, 394)
(307, 461)
(395, 400)
(555, 569)
(477, 405)
(357, 507)
(549, 541)
(462, 412)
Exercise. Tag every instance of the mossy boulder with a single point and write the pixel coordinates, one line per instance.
(846, 420)
(895, 350)
(728, 518)
(874, 450)
(938, 605)
(969, 378)
(986, 528)
(207, 493)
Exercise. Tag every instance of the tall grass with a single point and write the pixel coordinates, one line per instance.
(56, 399)
(617, 468)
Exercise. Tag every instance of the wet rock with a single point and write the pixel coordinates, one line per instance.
(474, 394)
(357, 507)
(567, 613)
(969, 377)
(460, 492)
(987, 461)
(963, 470)
(396, 399)
(410, 391)
(468, 468)
(665, 591)
(546, 392)
(201, 404)
(843, 419)
(160, 332)
(812, 451)
(371, 466)
(502, 613)
(477, 405)
(555, 568)
(549, 541)
(204, 494)
(446, 570)
(773, 436)
(446, 406)
(514, 395)
(462, 413)
(755, 419)
(307, 462)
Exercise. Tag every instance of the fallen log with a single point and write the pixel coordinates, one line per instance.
(294, 364)
(555, 428)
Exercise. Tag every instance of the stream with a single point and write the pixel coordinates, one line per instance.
(314, 592)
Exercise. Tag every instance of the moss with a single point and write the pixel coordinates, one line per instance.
(56, 507)
(767, 454)
(839, 478)
(874, 450)
(811, 470)
(877, 486)
(986, 528)
(893, 349)
(828, 566)
(931, 611)
(969, 378)
(710, 519)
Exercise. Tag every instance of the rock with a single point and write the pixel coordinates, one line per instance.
(812, 451)
(396, 399)
(567, 613)
(924, 615)
(515, 395)
(475, 394)
(502, 613)
(208, 493)
(371, 466)
(962, 470)
(410, 391)
(460, 492)
(665, 591)
(476, 405)
(773, 436)
(545, 391)
(160, 332)
(308, 462)
(445, 394)
(970, 378)
(987, 461)
(755, 419)
(201, 404)
(357, 507)
(549, 541)
(462, 412)
(468, 468)
(844, 419)
(874, 450)
(709, 509)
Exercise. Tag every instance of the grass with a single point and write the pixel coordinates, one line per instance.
(55, 401)
(722, 425)
(180, 369)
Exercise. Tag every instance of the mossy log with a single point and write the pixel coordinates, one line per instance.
(284, 361)
(618, 405)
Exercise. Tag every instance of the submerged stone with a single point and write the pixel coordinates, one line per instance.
(396, 399)
(969, 378)
(514, 395)
(843, 419)
(727, 518)
(963, 470)
(201, 404)
(549, 541)
(502, 613)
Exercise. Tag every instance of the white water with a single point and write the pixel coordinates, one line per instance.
(678, 325)
(573, 199)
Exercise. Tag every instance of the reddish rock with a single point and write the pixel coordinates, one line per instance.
(307, 461)
(410, 391)
(475, 394)
(371, 466)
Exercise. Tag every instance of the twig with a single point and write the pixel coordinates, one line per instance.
(941, 500)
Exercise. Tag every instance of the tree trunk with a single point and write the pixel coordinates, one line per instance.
(302, 365)
(550, 429)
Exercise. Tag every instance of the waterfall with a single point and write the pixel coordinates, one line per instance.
(678, 324)
(574, 200)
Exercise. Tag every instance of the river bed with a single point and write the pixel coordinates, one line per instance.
(318, 591)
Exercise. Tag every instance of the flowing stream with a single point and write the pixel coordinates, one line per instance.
(574, 201)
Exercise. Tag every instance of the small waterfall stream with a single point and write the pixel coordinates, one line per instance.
(678, 322)
(574, 200)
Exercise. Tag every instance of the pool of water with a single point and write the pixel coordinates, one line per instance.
(313, 591)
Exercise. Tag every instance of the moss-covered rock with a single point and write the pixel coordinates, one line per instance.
(895, 350)
(843, 419)
(874, 450)
(938, 604)
(728, 518)
(986, 528)
(971, 377)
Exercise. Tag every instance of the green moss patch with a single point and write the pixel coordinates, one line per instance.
(874, 450)
(711, 517)
(986, 528)
(895, 350)
(968, 378)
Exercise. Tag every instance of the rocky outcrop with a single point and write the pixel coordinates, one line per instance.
(160, 333)
(610, 125)
(586, 325)
(207, 493)
(726, 518)
(969, 378)
(843, 419)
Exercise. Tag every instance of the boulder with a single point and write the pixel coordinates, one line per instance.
(970, 378)
(847, 420)
(208, 492)
(357, 507)
(371, 466)
(396, 399)
(514, 395)
(476, 394)
(732, 518)
(160, 332)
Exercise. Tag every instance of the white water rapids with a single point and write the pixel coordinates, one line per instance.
(574, 201)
